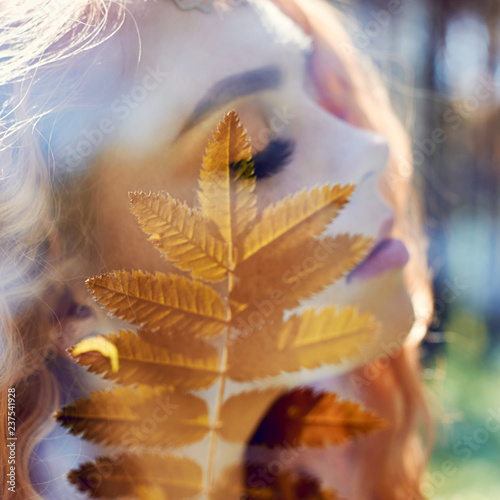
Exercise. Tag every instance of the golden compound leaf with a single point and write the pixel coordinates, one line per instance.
(264, 267)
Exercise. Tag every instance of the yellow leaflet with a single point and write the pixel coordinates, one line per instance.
(296, 269)
(161, 301)
(227, 197)
(303, 215)
(181, 234)
(145, 363)
(313, 339)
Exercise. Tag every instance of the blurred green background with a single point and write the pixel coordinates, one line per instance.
(441, 61)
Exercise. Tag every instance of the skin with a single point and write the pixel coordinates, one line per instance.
(150, 150)
(183, 56)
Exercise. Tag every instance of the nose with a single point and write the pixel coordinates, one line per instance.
(335, 151)
(330, 150)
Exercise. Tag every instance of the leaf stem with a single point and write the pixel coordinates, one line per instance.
(220, 395)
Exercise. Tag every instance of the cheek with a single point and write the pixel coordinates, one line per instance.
(271, 190)
(122, 245)
(120, 242)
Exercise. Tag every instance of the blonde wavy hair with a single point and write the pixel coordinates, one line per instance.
(41, 40)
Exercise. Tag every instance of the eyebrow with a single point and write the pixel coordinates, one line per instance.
(232, 87)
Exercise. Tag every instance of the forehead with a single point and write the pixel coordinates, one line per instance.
(256, 17)
(185, 53)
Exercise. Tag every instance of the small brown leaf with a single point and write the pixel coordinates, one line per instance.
(137, 417)
(314, 419)
(333, 421)
(139, 476)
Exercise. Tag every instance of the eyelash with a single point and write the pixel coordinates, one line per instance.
(271, 160)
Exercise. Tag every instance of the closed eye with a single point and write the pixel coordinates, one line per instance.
(271, 160)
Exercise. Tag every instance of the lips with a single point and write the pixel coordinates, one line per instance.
(386, 255)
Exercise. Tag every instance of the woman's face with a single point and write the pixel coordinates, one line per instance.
(195, 67)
